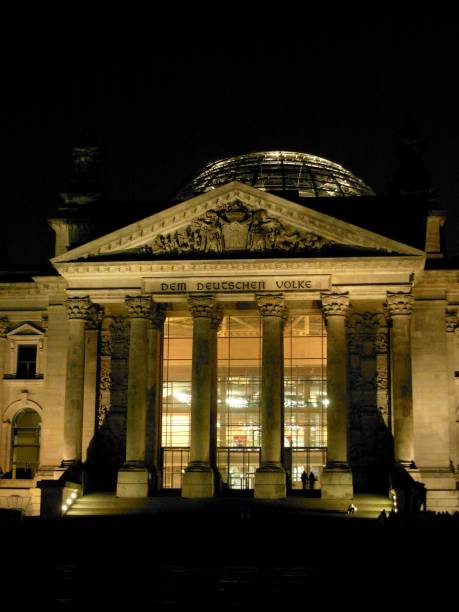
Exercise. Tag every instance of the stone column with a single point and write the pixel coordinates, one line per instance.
(93, 322)
(133, 477)
(77, 311)
(155, 353)
(451, 329)
(5, 430)
(200, 475)
(270, 478)
(337, 476)
(399, 308)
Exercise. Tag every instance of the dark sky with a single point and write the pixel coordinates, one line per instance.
(162, 107)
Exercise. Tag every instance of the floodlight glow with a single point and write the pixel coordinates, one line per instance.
(236, 402)
(185, 398)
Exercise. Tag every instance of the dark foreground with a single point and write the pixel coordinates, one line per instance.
(229, 559)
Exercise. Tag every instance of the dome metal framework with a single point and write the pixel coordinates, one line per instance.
(278, 171)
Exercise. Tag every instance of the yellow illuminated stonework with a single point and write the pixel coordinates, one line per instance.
(231, 343)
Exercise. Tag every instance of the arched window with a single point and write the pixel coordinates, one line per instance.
(25, 444)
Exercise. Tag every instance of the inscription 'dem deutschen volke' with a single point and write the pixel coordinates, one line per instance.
(195, 285)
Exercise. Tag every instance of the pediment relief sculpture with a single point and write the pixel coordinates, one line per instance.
(235, 227)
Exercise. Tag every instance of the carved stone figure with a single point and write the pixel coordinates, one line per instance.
(235, 227)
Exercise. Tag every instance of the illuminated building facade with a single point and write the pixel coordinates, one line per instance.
(277, 317)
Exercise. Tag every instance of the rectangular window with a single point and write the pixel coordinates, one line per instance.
(27, 361)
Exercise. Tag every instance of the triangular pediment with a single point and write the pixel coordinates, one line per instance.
(26, 329)
(235, 220)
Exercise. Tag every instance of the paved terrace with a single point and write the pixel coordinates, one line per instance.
(228, 555)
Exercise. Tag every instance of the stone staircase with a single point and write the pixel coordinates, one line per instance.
(107, 504)
(371, 506)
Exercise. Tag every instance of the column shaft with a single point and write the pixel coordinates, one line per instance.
(137, 393)
(77, 309)
(133, 477)
(203, 390)
(199, 477)
(337, 476)
(270, 478)
(5, 443)
(153, 431)
(337, 391)
(400, 307)
(272, 392)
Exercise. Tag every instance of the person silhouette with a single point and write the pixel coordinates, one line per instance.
(312, 480)
(304, 480)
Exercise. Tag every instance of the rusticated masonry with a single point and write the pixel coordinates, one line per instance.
(369, 426)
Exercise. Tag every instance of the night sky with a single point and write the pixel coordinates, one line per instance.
(163, 107)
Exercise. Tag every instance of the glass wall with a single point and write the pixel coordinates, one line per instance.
(239, 396)
(305, 391)
(176, 404)
(238, 416)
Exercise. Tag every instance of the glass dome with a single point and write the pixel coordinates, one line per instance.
(278, 171)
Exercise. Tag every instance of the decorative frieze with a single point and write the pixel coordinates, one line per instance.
(369, 388)
(235, 226)
(105, 344)
(335, 304)
(139, 307)
(4, 327)
(78, 307)
(451, 321)
(94, 318)
(272, 305)
(399, 304)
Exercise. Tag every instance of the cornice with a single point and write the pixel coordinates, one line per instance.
(311, 265)
(40, 286)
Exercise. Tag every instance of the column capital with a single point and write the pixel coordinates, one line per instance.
(139, 306)
(399, 304)
(205, 306)
(451, 321)
(272, 305)
(158, 315)
(94, 318)
(4, 326)
(335, 304)
(78, 307)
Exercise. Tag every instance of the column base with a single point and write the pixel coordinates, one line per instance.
(336, 483)
(198, 481)
(132, 482)
(155, 480)
(270, 483)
